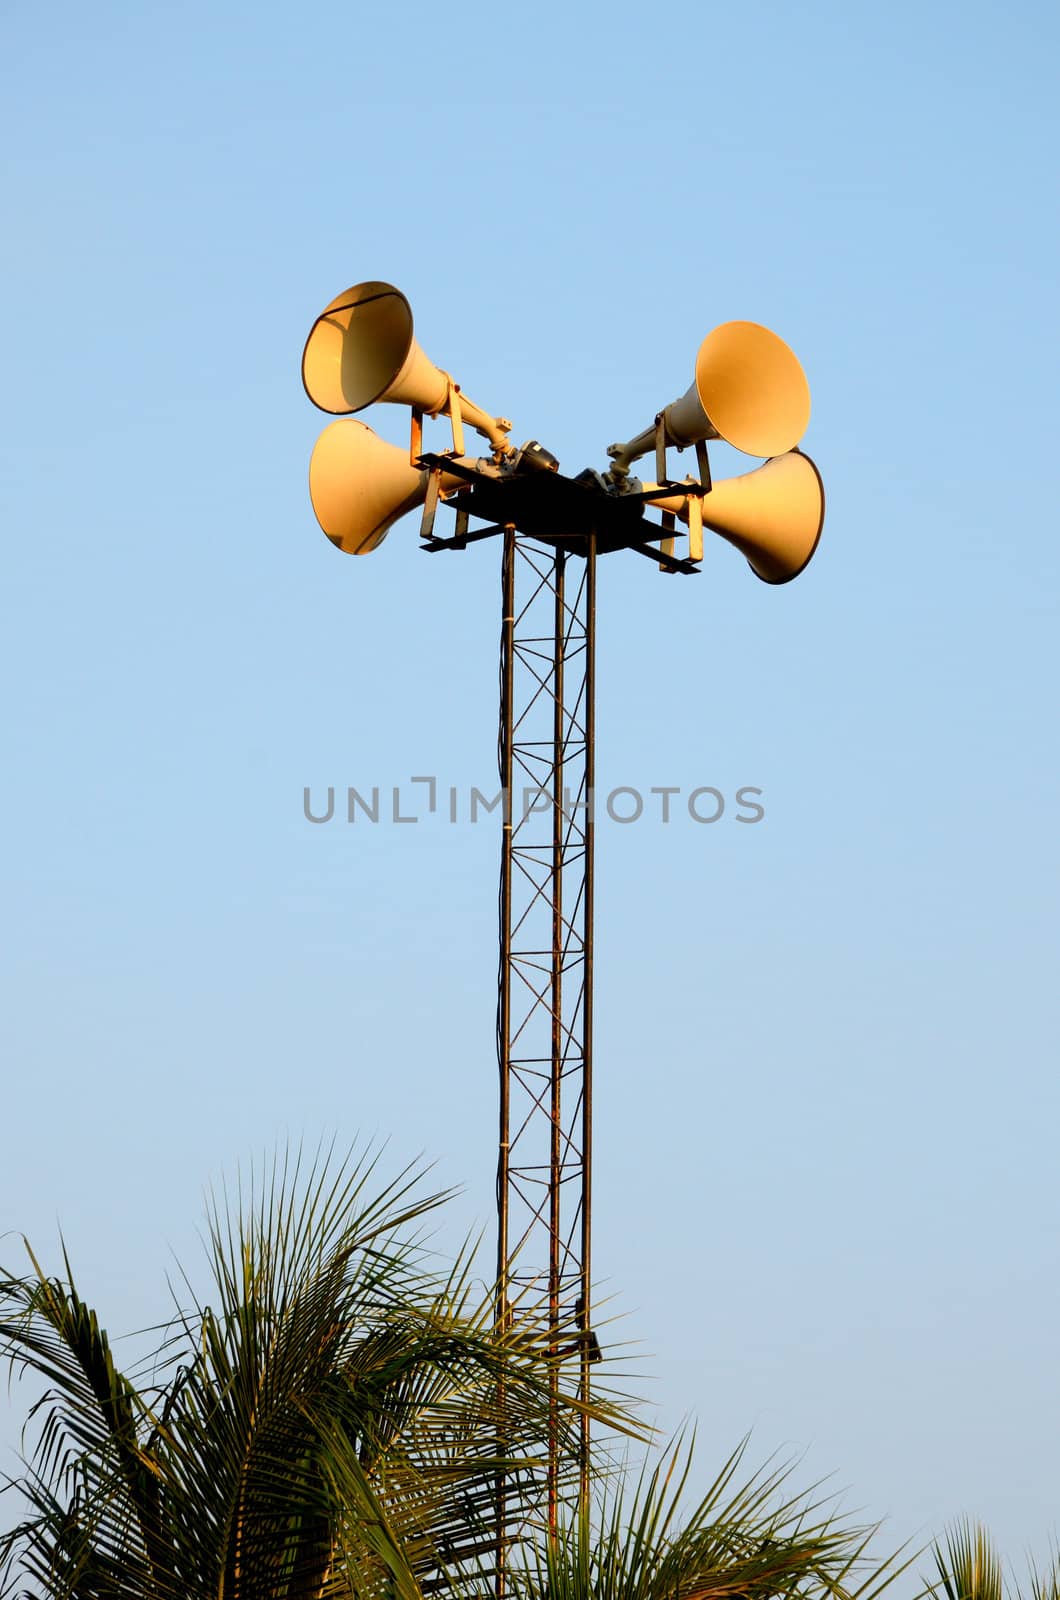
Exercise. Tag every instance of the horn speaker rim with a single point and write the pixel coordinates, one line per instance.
(400, 340)
(333, 461)
(776, 583)
(733, 408)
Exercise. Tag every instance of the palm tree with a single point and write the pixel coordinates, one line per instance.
(969, 1568)
(335, 1419)
(339, 1418)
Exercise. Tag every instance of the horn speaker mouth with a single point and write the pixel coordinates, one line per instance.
(789, 577)
(753, 389)
(356, 348)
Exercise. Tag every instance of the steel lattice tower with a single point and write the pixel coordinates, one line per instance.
(546, 753)
(545, 1010)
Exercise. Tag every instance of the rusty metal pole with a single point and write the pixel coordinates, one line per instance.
(588, 1349)
(559, 732)
(504, 758)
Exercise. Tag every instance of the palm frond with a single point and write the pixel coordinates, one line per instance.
(1045, 1582)
(968, 1565)
(748, 1535)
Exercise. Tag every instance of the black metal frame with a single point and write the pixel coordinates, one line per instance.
(560, 511)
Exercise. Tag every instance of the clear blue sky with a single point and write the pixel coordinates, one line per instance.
(827, 1094)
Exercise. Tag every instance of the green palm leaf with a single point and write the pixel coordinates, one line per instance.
(747, 1536)
(968, 1565)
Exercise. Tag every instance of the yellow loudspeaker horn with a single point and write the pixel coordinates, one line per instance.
(360, 486)
(360, 349)
(774, 515)
(749, 390)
